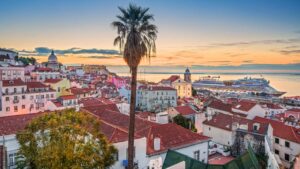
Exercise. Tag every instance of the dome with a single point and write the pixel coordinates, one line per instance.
(52, 57)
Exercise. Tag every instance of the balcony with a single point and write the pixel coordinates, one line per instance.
(16, 101)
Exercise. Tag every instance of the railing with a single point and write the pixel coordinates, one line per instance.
(16, 101)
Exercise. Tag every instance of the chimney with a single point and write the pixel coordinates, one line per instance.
(156, 143)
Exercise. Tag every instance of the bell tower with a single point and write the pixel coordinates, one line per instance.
(187, 75)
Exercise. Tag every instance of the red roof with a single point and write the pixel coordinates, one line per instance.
(68, 97)
(16, 82)
(13, 124)
(225, 121)
(35, 85)
(52, 80)
(294, 110)
(281, 130)
(219, 105)
(92, 101)
(43, 69)
(271, 105)
(172, 78)
(171, 136)
(185, 110)
(77, 91)
(244, 105)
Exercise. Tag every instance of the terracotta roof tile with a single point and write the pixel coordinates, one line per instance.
(13, 124)
(52, 80)
(31, 85)
(16, 82)
(185, 110)
(244, 105)
(68, 97)
(171, 136)
(281, 130)
(225, 121)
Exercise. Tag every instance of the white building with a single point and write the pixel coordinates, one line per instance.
(156, 98)
(41, 74)
(286, 140)
(249, 108)
(7, 56)
(9, 72)
(19, 97)
(63, 102)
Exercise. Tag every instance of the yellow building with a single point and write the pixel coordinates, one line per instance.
(60, 85)
(184, 89)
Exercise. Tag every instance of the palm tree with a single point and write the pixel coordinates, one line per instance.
(136, 39)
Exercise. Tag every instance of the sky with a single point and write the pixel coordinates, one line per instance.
(191, 32)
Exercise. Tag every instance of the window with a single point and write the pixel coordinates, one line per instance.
(23, 96)
(6, 91)
(287, 144)
(197, 155)
(277, 140)
(287, 157)
(7, 108)
(15, 108)
(15, 90)
(276, 151)
(6, 98)
(116, 155)
(23, 90)
(12, 159)
(23, 106)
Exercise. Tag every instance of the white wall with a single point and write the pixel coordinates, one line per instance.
(220, 136)
(189, 151)
(140, 150)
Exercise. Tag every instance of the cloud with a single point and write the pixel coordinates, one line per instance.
(219, 61)
(247, 61)
(101, 57)
(275, 41)
(41, 51)
(288, 52)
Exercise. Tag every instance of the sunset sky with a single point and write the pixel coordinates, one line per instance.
(199, 32)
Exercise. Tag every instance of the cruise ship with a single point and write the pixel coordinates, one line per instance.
(247, 85)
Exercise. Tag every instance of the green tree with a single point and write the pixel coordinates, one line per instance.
(26, 60)
(184, 122)
(136, 39)
(194, 92)
(66, 139)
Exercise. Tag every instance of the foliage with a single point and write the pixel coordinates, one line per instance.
(66, 139)
(194, 92)
(184, 122)
(26, 60)
(136, 35)
(262, 159)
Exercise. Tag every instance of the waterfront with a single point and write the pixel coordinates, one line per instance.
(280, 80)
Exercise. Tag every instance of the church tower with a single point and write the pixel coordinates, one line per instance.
(187, 75)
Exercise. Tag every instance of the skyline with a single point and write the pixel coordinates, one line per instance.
(190, 33)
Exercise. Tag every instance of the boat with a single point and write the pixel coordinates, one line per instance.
(255, 86)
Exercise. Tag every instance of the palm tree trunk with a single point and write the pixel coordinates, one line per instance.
(132, 118)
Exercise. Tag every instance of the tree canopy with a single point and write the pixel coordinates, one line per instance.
(65, 139)
(26, 60)
(136, 34)
(184, 122)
